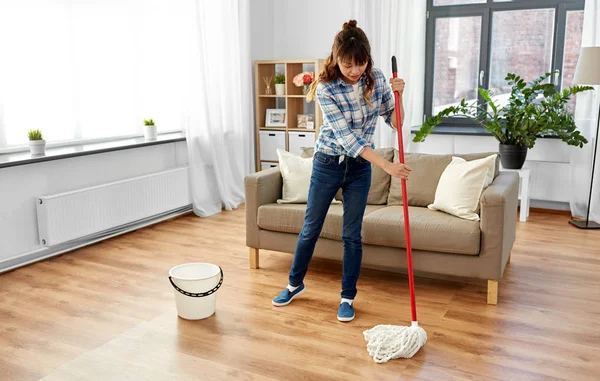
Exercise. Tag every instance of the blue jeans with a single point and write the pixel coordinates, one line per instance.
(328, 176)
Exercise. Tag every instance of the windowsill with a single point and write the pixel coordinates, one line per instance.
(473, 131)
(64, 152)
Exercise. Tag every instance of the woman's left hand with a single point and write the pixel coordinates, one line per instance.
(397, 85)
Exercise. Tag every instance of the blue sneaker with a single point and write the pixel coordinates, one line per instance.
(345, 312)
(287, 296)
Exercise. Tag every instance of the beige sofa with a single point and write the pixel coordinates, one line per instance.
(442, 244)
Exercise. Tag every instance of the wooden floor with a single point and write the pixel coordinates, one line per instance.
(106, 312)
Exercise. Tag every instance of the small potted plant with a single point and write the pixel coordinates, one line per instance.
(37, 144)
(532, 110)
(279, 84)
(149, 129)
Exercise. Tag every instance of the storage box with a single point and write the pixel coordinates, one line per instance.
(301, 139)
(269, 142)
(264, 165)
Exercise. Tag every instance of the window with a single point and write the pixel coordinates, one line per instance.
(475, 43)
(82, 71)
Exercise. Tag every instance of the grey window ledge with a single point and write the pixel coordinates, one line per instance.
(24, 158)
(475, 131)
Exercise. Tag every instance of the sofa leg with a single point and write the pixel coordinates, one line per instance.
(253, 258)
(492, 292)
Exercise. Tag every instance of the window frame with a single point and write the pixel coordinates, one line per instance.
(486, 10)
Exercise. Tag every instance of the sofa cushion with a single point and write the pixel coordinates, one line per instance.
(461, 186)
(430, 230)
(425, 175)
(380, 179)
(289, 218)
(295, 172)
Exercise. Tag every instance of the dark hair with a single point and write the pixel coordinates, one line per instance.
(350, 44)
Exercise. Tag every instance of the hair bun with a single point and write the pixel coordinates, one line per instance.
(349, 24)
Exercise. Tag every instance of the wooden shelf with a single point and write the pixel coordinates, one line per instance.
(301, 129)
(282, 96)
(293, 101)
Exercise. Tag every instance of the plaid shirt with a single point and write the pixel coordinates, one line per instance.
(346, 131)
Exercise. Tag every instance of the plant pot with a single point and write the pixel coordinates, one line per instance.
(512, 156)
(150, 132)
(280, 89)
(37, 147)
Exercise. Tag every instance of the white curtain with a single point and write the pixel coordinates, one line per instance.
(397, 28)
(80, 70)
(586, 114)
(219, 105)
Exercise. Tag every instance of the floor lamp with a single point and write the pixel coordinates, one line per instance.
(588, 73)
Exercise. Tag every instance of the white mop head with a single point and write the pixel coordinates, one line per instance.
(386, 342)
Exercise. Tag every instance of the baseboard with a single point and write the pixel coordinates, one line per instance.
(39, 255)
(551, 211)
(557, 207)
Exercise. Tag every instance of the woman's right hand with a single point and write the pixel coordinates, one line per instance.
(395, 169)
(398, 170)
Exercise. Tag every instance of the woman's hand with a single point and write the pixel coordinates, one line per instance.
(394, 169)
(398, 170)
(397, 85)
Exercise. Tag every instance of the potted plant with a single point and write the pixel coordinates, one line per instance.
(280, 84)
(37, 144)
(532, 110)
(149, 129)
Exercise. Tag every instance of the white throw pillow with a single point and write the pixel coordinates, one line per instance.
(295, 171)
(461, 184)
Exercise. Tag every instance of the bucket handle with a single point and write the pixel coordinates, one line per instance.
(200, 294)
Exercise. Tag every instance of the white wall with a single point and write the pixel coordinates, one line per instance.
(21, 185)
(305, 29)
(262, 28)
(294, 29)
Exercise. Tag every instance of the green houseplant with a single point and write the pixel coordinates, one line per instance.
(533, 109)
(149, 129)
(37, 144)
(280, 84)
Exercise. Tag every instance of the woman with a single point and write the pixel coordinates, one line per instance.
(352, 95)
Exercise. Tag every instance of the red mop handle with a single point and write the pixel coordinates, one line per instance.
(411, 279)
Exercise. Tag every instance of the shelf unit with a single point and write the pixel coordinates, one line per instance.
(293, 101)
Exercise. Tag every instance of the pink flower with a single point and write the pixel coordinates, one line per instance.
(298, 80)
(305, 78)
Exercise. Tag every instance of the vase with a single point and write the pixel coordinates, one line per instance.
(512, 156)
(37, 147)
(305, 89)
(150, 132)
(280, 89)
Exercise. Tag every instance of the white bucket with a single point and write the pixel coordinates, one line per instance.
(195, 286)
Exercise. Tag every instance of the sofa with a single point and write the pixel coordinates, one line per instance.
(443, 245)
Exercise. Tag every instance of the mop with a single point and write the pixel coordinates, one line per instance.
(386, 342)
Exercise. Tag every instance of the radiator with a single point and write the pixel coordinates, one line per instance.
(71, 215)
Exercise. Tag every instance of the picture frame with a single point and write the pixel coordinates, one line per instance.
(275, 117)
(306, 121)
